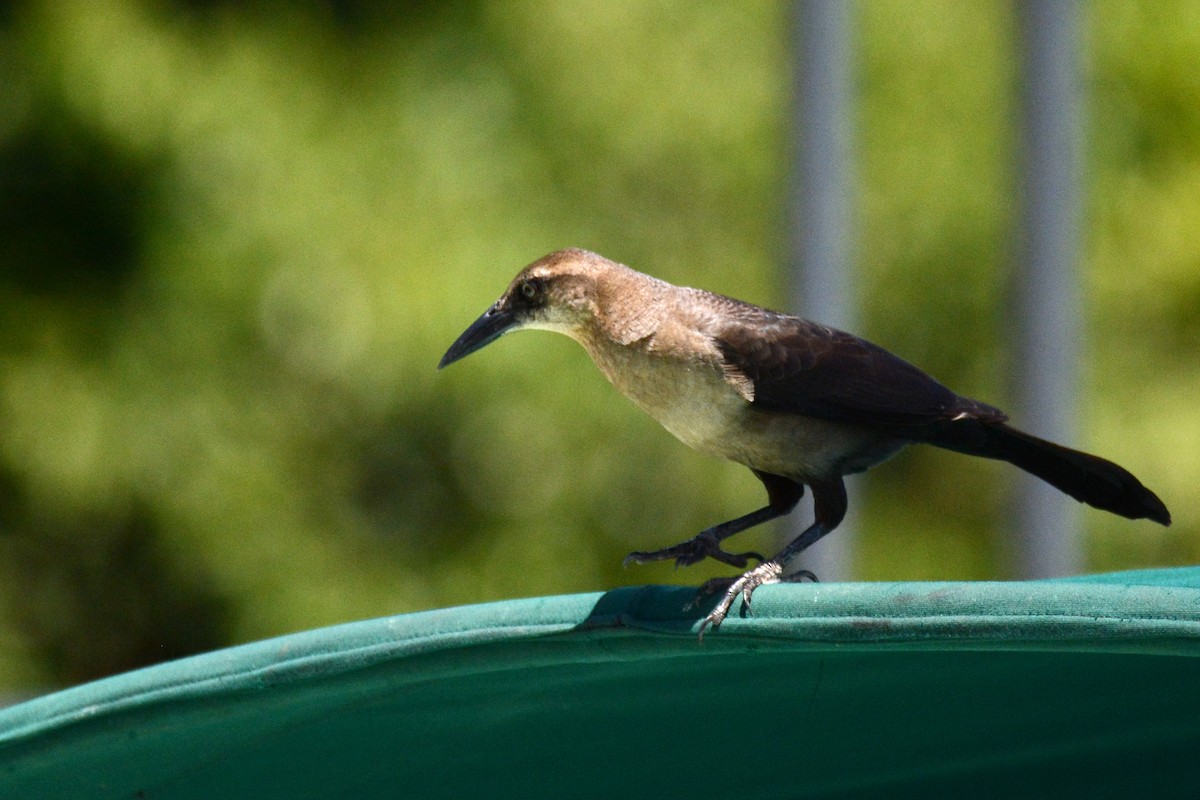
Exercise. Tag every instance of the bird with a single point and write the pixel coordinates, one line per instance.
(799, 403)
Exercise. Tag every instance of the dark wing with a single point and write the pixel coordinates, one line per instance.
(800, 367)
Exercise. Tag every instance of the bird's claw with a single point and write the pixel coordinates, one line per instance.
(707, 589)
(764, 573)
(798, 576)
(693, 551)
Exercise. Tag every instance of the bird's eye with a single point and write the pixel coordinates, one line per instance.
(528, 290)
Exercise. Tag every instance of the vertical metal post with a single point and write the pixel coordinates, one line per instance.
(819, 204)
(1046, 292)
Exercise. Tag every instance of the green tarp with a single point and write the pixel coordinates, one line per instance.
(1074, 688)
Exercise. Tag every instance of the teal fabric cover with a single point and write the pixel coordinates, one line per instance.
(1072, 688)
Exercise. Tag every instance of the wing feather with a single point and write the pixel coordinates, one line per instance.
(798, 366)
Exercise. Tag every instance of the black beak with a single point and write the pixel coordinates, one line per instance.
(495, 322)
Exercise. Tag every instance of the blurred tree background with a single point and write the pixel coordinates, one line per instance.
(235, 238)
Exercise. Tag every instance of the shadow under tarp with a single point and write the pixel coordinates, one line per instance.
(1071, 688)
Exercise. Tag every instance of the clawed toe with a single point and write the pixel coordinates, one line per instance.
(637, 557)
(739, 560)
(708, 589)
(800, 575)
(693, 551)
(744, 586)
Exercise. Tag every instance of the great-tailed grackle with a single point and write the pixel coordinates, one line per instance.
(798, 403)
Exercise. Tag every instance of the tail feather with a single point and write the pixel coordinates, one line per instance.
(1089, 479)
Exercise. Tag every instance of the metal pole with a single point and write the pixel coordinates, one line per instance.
(1046, 292)
(819, 207)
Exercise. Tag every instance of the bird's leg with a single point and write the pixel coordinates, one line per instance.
(707, 544)
(829, 499)
(782, 496)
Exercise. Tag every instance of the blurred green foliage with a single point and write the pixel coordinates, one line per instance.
(235, 238)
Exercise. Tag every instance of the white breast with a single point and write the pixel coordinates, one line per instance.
(690, 399)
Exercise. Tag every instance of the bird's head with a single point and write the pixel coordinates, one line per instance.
(557, 293)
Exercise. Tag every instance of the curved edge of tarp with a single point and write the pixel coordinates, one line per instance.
(1151, 611)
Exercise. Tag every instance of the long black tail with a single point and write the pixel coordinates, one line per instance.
(1089, 479)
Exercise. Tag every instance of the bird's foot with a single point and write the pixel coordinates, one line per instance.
(798, 576)
(714, 585)
(744, 586)
(707, 590)
(764, 573)
(701, 546)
